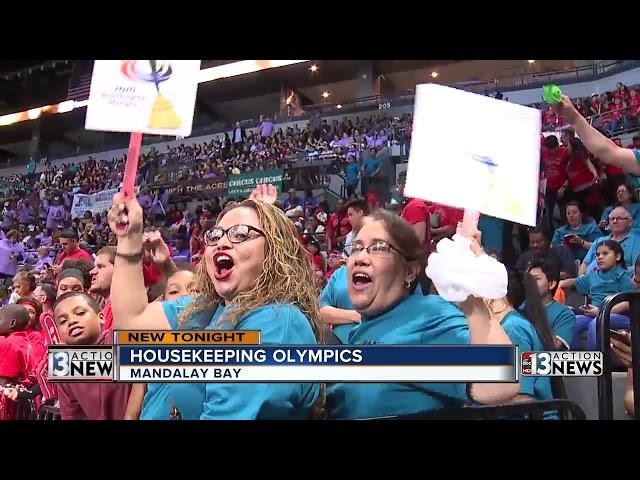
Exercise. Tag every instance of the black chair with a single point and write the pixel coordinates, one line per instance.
(533, 410)
(48, 412)
(605, 383)
(25, 409)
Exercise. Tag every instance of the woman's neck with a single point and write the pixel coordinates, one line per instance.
(626, 203)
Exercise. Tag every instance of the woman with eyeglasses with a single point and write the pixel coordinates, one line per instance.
(382, 278)
(625, 197)
(255, 276)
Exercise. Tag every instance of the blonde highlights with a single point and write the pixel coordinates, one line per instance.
(287, 274)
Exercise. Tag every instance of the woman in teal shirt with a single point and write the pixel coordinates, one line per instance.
(257, 272)
(625, 197)
(575, 234)
(382, 275)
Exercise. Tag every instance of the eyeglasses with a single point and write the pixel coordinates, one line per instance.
(377, 249)
(236, 234)
(618, 219)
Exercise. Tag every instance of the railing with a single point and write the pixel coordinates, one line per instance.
(605, 382)
(533, 410)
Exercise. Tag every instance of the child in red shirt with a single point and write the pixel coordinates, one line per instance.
(34, 330)
(15, 355)
(78, 318)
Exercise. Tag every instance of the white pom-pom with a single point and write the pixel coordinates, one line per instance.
(457, 272)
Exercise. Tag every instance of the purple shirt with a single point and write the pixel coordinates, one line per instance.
(25, 214)
(145, 201)
(8, 219)
(9, 266)
(55, 215)
(266, 128)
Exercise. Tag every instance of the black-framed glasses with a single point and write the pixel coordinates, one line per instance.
(236, 234)
(377, 248)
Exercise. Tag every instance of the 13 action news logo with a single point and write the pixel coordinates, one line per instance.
(555, 364)
(92, 363)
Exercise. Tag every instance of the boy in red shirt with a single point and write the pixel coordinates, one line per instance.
(70, 250)
(78, 318)
(554, 161)
(416, 212)
(445, 220)
(15, 354)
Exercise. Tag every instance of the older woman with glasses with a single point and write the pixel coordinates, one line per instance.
(255, 276)
(620, 225)
(382, 276)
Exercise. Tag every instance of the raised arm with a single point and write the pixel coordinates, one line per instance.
(599, 145)
(128, 294)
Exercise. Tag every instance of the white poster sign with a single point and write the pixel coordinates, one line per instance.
(94, 203)
(148, 96)
(475, 152)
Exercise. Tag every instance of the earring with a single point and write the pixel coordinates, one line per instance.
(407, 284)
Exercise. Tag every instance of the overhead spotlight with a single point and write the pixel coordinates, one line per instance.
(434, 74)
(338, 106)
(531, 62)
(313, 68)
(325, 94)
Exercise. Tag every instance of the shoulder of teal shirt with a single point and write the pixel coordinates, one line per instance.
(625, 283)
(583, 283)
(335, 293)
(562, 321)
(279, 324)
(201, 320)
(558, 235)
(417, 319)
(522, 333)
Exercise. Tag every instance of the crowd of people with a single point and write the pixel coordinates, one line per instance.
(348, 274)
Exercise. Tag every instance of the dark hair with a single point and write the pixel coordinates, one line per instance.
(630, 191)
(617, 249)
(36, 305)
(570, 132)
(50, 291)
(81, 265)
(358, 204)
(523, 289)
(88, 298)
(577, 147)
(551, 142)
(404, 238)
(539, 229)
(156, 290)
(18, 313)
(549, 268)
(70, 234)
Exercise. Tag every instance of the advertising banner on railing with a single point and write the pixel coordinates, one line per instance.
(94, 203)
(242, 185)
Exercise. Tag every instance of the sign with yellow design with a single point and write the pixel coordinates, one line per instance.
(148, 96)
(475, 152)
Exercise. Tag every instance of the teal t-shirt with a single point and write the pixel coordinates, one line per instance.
(630, 245)
(351, 171)
(562, 321)
(336, 294)
(416, 320)
(634, 180)
(279, 324)
(587, 231)
(600, 284)
(161, 396)
(634, 211)
(491, 229)
(521, 332)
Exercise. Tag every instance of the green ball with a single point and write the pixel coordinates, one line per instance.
(551, 94)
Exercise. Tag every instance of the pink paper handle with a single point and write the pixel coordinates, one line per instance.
(131, 167)
(470, 221)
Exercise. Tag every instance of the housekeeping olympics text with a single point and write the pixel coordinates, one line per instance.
(207, 356)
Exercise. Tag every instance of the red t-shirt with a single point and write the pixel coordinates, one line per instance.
(107, 314)
(77, 255)
(555, 167)
(339, 226)
(634, 104)
(616, 113)
(579, 174)
(15, 353)
(94, 401)
(549, 117)
(449, 216)
(416, 211)
(38, 346)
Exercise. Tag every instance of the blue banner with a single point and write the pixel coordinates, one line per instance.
(392, 355)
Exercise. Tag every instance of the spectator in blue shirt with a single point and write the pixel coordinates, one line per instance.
(561, 318)
(576, 234)
(624, 198)
(371, 168)
(291, 201)
(611, 277)
(620, 224)
(352, 172)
